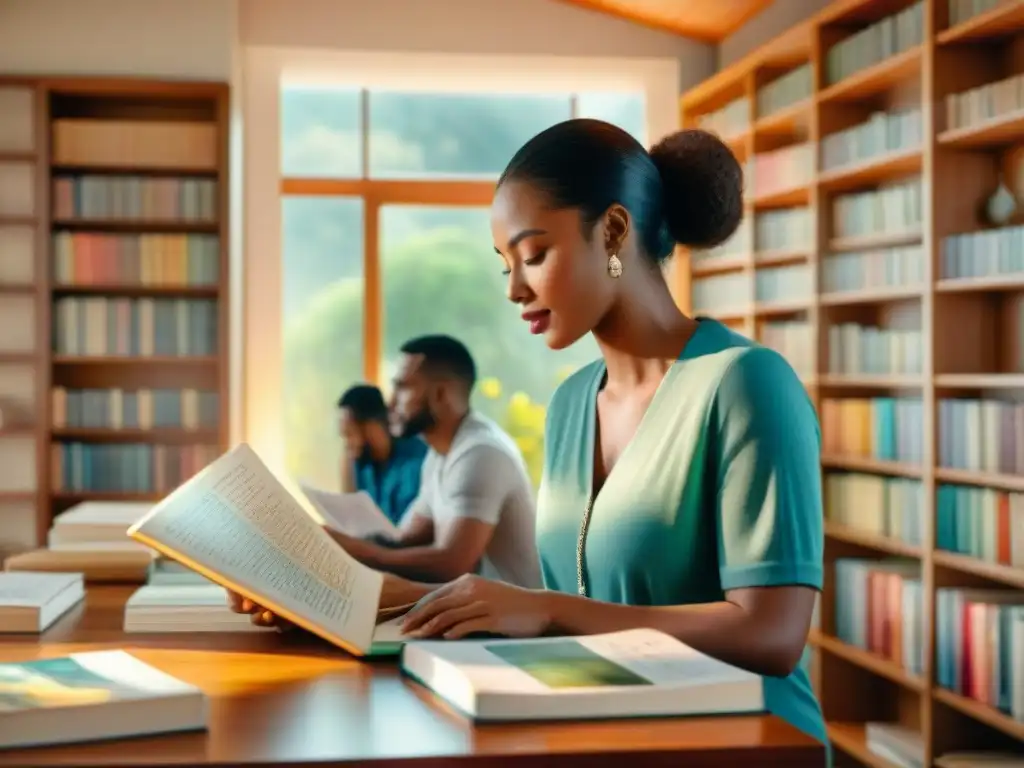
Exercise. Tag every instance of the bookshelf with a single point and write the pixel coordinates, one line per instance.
(113, 242)
(883, 254)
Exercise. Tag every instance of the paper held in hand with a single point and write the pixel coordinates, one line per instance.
(354, 514)
(236, 524)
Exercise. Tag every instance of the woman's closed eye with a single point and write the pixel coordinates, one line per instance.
(533, 261)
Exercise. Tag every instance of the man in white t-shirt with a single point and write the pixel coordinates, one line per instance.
(476, 507)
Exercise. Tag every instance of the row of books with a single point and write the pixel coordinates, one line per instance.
(881, 428)
(729, 121)
(982, 435)
(979, 646)
(856, 349)
(784, 91)
(879, 608)
(987, 253)
(134, 198)
(983, 523)
(125, 467)
(722, 293)
(790, 283)
(102, 326)
(787, 229)
(892, 209)
(987, 102)
(782, 170)
(892, 507)
(881, 134)
(187, 409)
(964, 10)
(878, 268)
(89, 258)
(794, 340)
(874, 44)
(127, 143)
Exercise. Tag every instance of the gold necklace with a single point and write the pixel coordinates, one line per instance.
(581, 583)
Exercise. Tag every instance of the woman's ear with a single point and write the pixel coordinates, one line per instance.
(616, 228)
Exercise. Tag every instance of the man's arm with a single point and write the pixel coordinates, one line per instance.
(415, 530)
(477, 485)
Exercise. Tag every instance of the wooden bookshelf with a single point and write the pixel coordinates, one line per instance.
(114, 243)
(876, 256)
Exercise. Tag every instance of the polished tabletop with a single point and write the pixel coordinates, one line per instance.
(283, 699)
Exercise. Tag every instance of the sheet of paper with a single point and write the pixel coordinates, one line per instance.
(354, 514)
(237, 520)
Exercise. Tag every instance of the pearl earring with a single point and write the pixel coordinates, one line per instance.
(614, 266)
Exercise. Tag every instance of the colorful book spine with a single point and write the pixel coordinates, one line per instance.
(880, 428)
(979, 648)
(186, 409)
(879, 609)
(855, 349)
(874, 44)
(981, 435)
(892, 507)
(130, 468)
(90, 258)
(983, 523)
(134, 198)
(123, 327)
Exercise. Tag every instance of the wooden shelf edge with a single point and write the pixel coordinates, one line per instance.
(869, 661)
(1005, 574)
(980, 712)
(1009, 17)
(872, 540)
(851, 738)
(875, 78)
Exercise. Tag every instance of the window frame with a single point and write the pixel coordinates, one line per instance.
(265, 71)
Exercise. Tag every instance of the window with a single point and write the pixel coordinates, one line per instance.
(440, 275)
(429, 267)
(322, 308)
(416, 135)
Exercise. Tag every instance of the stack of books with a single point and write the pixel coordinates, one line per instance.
(32, 602)
(157, 608)
(91, 539)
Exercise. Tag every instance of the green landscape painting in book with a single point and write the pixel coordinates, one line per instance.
(52, 683)
(565, 663)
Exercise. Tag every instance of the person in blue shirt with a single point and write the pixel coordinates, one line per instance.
(385, 467)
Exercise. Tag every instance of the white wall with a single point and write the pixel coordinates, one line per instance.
(186, 39)
(500, 27)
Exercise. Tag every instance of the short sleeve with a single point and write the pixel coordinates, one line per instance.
(420, 506)
(477, 484)
(770, 530)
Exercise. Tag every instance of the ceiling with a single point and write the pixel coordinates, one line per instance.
(709, 20)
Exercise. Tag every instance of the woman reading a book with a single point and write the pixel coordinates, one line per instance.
(681, 485)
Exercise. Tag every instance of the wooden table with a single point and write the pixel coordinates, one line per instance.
(278, 700)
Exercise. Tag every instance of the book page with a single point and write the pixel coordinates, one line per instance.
(237, 521)
(354, 514)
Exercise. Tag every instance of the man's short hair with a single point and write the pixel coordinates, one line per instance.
(365, 402)
(444, 356)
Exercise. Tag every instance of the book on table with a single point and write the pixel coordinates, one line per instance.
(160, 608)
(633, 673)
(92, 696)
(31, 602)
(354, 514)
(238, 525)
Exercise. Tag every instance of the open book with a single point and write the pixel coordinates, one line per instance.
(236, 524)
(634, 673)
(354, 514)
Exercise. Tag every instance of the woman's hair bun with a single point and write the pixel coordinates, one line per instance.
(702, 185)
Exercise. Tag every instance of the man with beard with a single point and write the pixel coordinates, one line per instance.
(475, 509)
(387, 468)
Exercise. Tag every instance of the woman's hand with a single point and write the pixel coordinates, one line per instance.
(396, 594)
(259, 615)
(471, 604)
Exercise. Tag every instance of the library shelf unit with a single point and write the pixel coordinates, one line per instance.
(113, 292)
(882, 252)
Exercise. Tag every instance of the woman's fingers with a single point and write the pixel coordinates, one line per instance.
(446, 619)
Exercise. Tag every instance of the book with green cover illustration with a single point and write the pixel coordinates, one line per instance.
(45, 701)
(635, 673)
